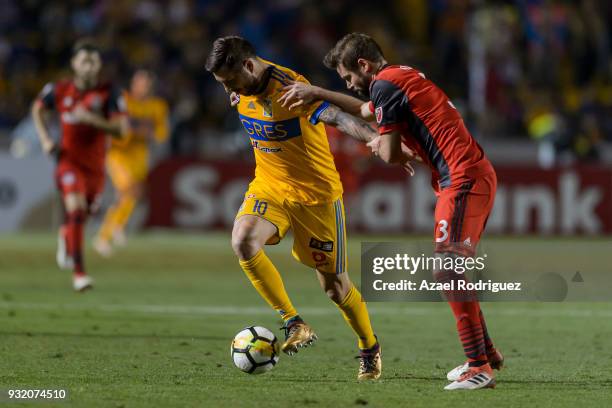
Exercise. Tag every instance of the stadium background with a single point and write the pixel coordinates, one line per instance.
(533, 81)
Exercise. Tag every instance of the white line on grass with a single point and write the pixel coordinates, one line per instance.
(235, 310)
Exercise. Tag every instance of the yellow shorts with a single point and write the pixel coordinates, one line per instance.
(319, 230)
(127, 168)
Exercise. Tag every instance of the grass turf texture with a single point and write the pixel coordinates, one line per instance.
(157, 328)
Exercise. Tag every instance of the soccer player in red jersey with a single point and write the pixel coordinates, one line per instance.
(414, 115)
(88, 110)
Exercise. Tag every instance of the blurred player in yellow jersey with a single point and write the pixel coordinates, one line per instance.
(296, 186)
(127, 160)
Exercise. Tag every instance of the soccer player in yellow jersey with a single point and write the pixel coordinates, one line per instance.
(127, 160)
(296, 186)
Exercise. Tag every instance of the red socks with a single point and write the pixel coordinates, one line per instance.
(470, 321)
(471, 333)
(74, 233)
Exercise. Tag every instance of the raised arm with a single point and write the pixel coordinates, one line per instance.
(299, 93)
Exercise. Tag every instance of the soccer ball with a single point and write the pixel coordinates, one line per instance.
(255, 350)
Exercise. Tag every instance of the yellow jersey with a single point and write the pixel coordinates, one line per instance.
(148, 121)
(292, 154)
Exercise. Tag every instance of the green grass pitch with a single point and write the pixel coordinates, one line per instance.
(156, 330)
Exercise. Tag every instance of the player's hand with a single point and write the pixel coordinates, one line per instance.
(82, 115)
(49, 147)
(374, 144)
(234, 99)
(408, 155)
(297, 94)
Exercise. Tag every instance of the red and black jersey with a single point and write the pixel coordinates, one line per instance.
(83, 145)
(403, 99)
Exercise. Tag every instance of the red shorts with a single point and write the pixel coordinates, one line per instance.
(74, 179)
(461, 215)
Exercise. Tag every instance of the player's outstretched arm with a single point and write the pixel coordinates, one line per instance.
(354, 127)
(46, 142)
(116, 126)
(300, 93)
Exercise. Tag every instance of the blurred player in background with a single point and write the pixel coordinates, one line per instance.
(412, 112)
(296, 186)
(127, 161)
(88, 110)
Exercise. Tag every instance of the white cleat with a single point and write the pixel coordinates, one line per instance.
(103, 247)
(457, 372)
(64, 261)
(82, 283)
(474, 378)
(496, 361)
(119, 238)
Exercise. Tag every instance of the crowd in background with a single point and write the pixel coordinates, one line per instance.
(524, 68)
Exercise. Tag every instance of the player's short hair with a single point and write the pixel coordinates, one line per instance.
(350, 48)
(229, 53)
(87, 44)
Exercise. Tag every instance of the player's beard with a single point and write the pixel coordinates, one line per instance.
(363, 93)
(363, 89)
(250, 89)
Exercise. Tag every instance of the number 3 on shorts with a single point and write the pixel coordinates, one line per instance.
(443, 228)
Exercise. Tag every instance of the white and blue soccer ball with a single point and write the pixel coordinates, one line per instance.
(255, 350)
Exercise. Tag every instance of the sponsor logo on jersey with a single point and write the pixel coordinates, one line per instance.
(255, 144)
(327, 246)
(267, 108)
(67, 101)
(379, 114)
(271, 131)
(251, 106)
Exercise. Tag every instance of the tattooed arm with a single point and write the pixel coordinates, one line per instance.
(356, 128)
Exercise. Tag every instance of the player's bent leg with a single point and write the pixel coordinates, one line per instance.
(249, 235)
(75, 204)
(345, 295)
(125, 207)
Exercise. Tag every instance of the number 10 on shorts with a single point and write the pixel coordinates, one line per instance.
(260, 207)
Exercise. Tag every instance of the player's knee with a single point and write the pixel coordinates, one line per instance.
(439, 272)
(75, 202)
(245, 243)
(335, 290)
(335, 295)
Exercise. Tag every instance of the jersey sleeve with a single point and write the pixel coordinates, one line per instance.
(389, 103)
(116, 104)
(162, 131)
(47, 96)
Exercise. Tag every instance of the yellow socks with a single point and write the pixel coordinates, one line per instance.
(123, 211)
(356, 315)
(117, 217)
(265, 278)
